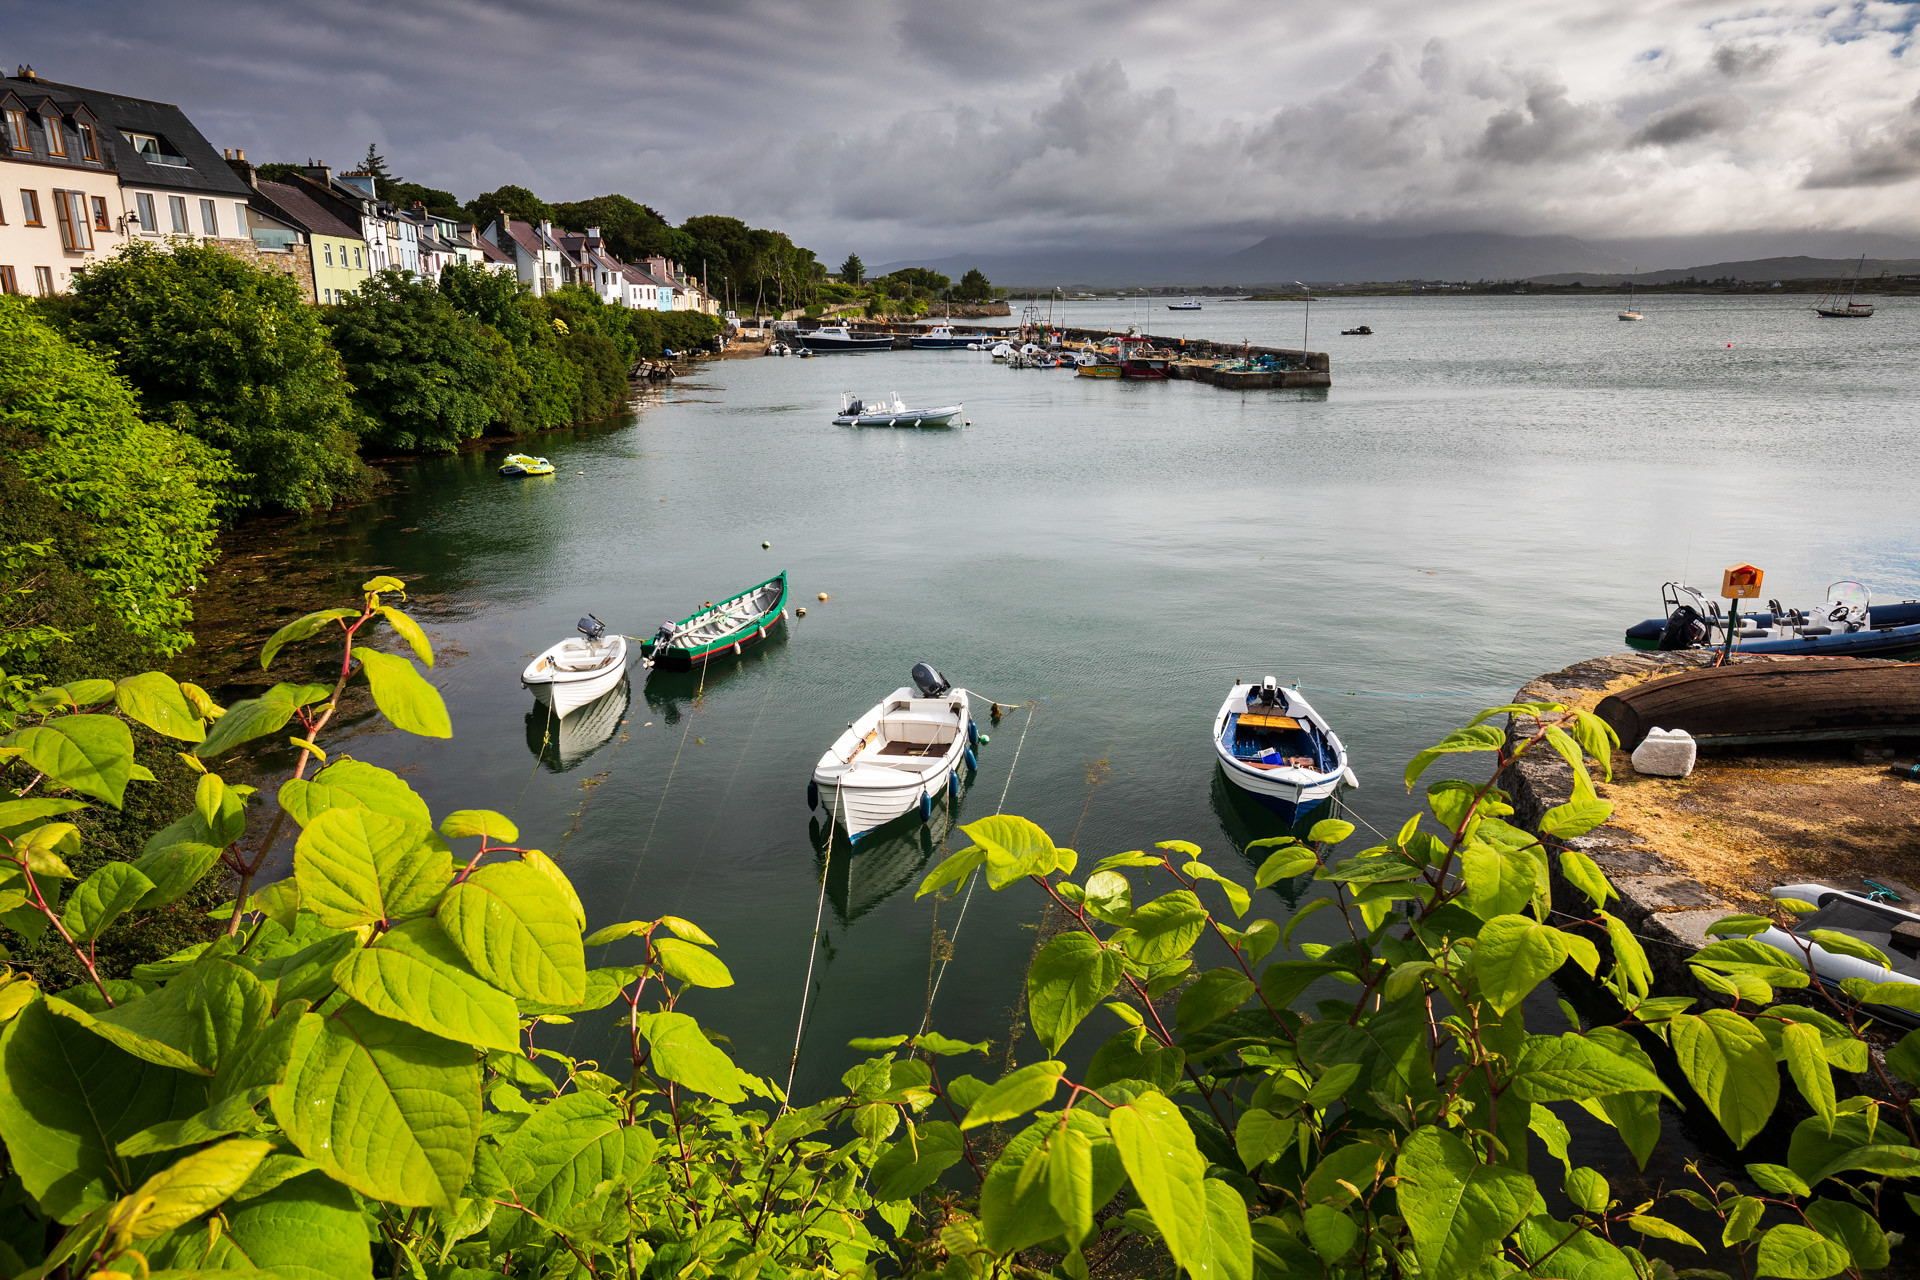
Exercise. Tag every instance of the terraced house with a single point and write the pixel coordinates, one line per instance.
(60, 203)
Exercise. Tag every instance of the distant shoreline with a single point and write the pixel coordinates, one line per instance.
(1867, 289)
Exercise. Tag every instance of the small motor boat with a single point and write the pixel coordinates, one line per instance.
(779, 349)
(519, 465)
(1848, 624)
(900, 757)
(1273, 745)
(1885, 917)
(716, 630)
(1364, 331)
(578, 670)
(893, 412)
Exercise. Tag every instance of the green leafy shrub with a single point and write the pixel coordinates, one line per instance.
(106, 520)
(350, 1078)
(231, 354)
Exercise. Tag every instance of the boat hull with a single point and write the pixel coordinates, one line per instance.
(1291, 792)
(565, 692)
(940, 417)
(684, 657)
(942, 344)
(1772, 702)
(836, 345)
(859, 795)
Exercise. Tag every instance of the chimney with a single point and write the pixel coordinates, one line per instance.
(237, 161)
(320, 173)
(240, 152)
(546, 228)
(26, 73)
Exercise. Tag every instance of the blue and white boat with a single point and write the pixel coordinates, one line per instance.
(838, 337)
(1274, 746)
(1846, 625)
(942, 338)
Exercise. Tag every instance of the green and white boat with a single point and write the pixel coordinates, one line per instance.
(718, 630)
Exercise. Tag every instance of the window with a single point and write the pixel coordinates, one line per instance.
(240, 220)
(326, 251)
(149, 220)
(9, 283)
(89, 141)
(56, 136)
(356, 255)
(70, 209)
(17, 129)
(209, 220)
(144, 143)
(43, 281)
(30, 205)
(177, 207)
(102, 221)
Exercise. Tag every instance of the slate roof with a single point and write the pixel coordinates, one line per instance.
(303, 211)
(204, 169)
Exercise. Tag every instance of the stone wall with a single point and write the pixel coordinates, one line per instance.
(296, 262)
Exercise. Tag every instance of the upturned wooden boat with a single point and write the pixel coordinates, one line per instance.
(1273, 745)
(578, 670)
(1761, 702)
(717, 630)
(900, 757)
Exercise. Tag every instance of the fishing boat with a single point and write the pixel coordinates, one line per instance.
(1273, 745)
(1363, 331)
(518, 465)
(1847, 624)
(892, 412)
(578, 670)
(1189, 305)
(1631, 312)
(1810, 700)
(1835, 307)
(1093, 366)
(1140, 361)
(1001, 352)
(1885, 917)
(716, 630)
(899, 758)
(837, 337)
(941, 338)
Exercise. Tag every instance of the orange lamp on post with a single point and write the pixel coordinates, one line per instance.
(1738, 582)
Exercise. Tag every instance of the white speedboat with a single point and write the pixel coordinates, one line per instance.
(898, 758)
(1273, 745)
(1002, 351)
(1884, 918)
(1190, 304)
(893, 412)
(579, 669)
(837, 337)
(940, 338)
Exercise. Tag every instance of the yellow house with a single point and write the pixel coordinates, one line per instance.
(341, 263)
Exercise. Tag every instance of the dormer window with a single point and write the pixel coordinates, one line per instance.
(89, 141)
(56, 136)
(16, 129)
(144, 144)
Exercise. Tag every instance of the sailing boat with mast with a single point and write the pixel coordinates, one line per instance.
(1633, 284)
(1834, 308)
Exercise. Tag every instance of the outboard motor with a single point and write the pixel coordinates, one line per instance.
(855, 406)
(1271, 694)
(1684, 629)
(592, 628)
(930, 682)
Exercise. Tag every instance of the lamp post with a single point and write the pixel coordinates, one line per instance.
(1307, 321)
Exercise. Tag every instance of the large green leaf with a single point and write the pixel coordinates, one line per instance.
(691, 963)
(174, 869)
(102, 898)
(566, 1148)
(1069, 1175)
(1514, 954)
(916, 1162)
(404, 696)
(300, 629)
(1072, 974)
(1213, 995)
(1854, 1228)
(252, 718)
(1228, 1252)
(413, 973)
(1166, 927)
(518, 932)
(1731, 1066)
(353, 784)
(410, 631)
(1014, 847)
(68, 1099)
(211, 1010)
(307, 1228)
(355, 867)
(155, 700)
(1457, 1208)
(1479, 737)
(681, 1052)
(1793, 1252)
(195, 1184)
(386, 1108)
(1569, 1067)
(1166, 1169)
(1805, 1050)
(1016, 1093)
(91, 754)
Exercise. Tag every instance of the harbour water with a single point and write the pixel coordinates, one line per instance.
(1494, 487)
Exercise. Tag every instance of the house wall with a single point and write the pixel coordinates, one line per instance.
(25, 247)
(334, 272)
(295, 261)
(226, 210)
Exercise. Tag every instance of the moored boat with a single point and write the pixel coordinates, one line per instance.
(1883, 918)
(942, 338)
(716, 630)
(1190, 304)
(900, 757)
(1361, 331)
(578, 670)
(837, 337)
(1847, 624)
(1273, 745)
(1836, 307)
(518, 465)
(893, 412)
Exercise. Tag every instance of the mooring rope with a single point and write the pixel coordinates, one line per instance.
(647, 843)
(813, 953)
(973, 880)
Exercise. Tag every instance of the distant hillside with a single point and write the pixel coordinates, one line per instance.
(1350, 259)
(1752, 270)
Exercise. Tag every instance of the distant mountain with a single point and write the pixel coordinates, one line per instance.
(1324, 258)
(1753, 270)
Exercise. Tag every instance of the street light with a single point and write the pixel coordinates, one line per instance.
(1307, 295)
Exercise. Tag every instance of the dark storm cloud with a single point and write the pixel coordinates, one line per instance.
(1690, 121)
(891, 125)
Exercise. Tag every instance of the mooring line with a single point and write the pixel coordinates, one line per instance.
(647, 843)
(813, 952)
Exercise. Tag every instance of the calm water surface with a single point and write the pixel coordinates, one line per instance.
(1492, 489)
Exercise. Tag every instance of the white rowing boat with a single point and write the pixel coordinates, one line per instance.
(892, 412)
(898, 758)
(579, 669)
(1273, 745)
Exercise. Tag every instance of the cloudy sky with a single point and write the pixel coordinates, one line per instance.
(919, 127)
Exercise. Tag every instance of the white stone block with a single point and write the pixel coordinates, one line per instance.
(1666, 753)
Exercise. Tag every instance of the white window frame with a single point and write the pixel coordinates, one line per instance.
(144, 210)
(177, 214)
(209, 218)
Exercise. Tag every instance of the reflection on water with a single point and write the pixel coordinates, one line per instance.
(1244, 819)
(561, 744)
(862, 876)
(672, 694)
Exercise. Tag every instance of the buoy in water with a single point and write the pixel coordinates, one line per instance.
(765, 546)
(800, 612)
(821, 596)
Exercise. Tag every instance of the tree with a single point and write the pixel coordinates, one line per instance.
(107, 521)
(375, 166)
(406, 194)
(973, 287)
(515, 202)
(915, 282)
(232, 354)
(631, 229)
(427, 377)
(853, 271)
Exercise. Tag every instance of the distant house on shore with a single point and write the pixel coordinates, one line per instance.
(538, 259)
(336, 250)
